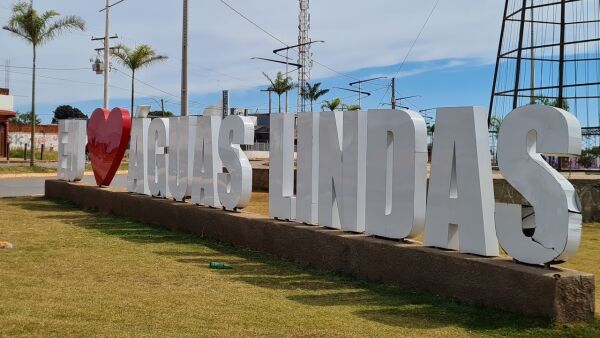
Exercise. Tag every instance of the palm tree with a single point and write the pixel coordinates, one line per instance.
(36, 29)
(332, 105)
(135, 59)
(313, 93)
(280, 85)
(353, 107)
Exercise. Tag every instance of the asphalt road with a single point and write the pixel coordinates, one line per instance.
(31, 186)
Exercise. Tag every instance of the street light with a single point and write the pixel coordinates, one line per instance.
(279, 61)
(360, 82)
(360, 92)
(287, 50)
(298, 66)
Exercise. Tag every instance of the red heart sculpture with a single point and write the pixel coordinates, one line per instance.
(108, 138)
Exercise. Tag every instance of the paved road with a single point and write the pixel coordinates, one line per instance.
(19, 187)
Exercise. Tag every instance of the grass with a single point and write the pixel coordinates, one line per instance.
(49, 155)
(25, 169)
(77, 273)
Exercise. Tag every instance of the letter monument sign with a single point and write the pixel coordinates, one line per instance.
(360, 171)
(364, 172)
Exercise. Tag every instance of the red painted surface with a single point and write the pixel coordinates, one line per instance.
(108, 136)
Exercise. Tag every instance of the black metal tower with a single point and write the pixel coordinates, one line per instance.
(549, 53)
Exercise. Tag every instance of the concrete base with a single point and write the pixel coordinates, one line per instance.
(560, 295)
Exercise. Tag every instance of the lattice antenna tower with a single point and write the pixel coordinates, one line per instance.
(304, 54)
(549, 52)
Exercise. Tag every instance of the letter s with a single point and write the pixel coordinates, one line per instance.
(555, 218)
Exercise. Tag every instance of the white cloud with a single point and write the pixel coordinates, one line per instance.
(358, 34)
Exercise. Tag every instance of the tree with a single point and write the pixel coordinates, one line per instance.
(313, 93)
(37, 29)
(280, 85)
(352, 107)
(24, 119)
(553, 103)
(160, 113)
(332, 105)
(135, 59)
(496, 123)
(67, 112)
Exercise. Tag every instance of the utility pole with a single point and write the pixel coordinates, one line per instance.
(393, 93)
(107, 55)
(106, 50)
(7, 74)
(184, 61)
(270, 100)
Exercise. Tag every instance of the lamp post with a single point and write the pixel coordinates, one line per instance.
(287, 49)
(360, 92)
(360, 82)
(184, 60)
(287, 63)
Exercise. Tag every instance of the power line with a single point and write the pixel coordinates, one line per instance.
(278, 39)
(153, 87)
(412, 46)
(253, 23)
(45, 68)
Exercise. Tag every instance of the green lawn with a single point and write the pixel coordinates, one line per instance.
(25, 169)
(49, 155)
(79, 273)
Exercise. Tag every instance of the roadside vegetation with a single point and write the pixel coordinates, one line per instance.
(74, 272)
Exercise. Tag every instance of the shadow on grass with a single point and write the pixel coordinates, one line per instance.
(375, 302)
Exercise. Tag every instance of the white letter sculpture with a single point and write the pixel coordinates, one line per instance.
(207, 164)
(556, 216)
(460, 205)
(282, 203)
(330, 169)
(158, 142)
(354, 171)
(396, 173)
(179, 140)
(138, 157)
(307, 186)
(235, 185)
(72, 136)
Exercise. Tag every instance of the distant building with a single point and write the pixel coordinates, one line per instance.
(6, 113)
(262, 127)
(20, 135)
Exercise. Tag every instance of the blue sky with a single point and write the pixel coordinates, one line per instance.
(451, 64)
(468, 84)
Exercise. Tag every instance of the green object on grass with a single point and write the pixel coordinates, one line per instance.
(220, 266)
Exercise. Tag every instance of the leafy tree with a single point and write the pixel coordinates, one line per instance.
(313, 93)
(496, 123)
(280, 85)
(24, 119)
(554, 103)
(586, 160)
(135, 59)
(353, 107)
(332, 105)
(38, 29)
(67, 112)
(159, 113)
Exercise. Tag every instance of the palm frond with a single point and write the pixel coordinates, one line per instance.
(59, 26)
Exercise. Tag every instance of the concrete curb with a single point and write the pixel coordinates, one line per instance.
(561, 295)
